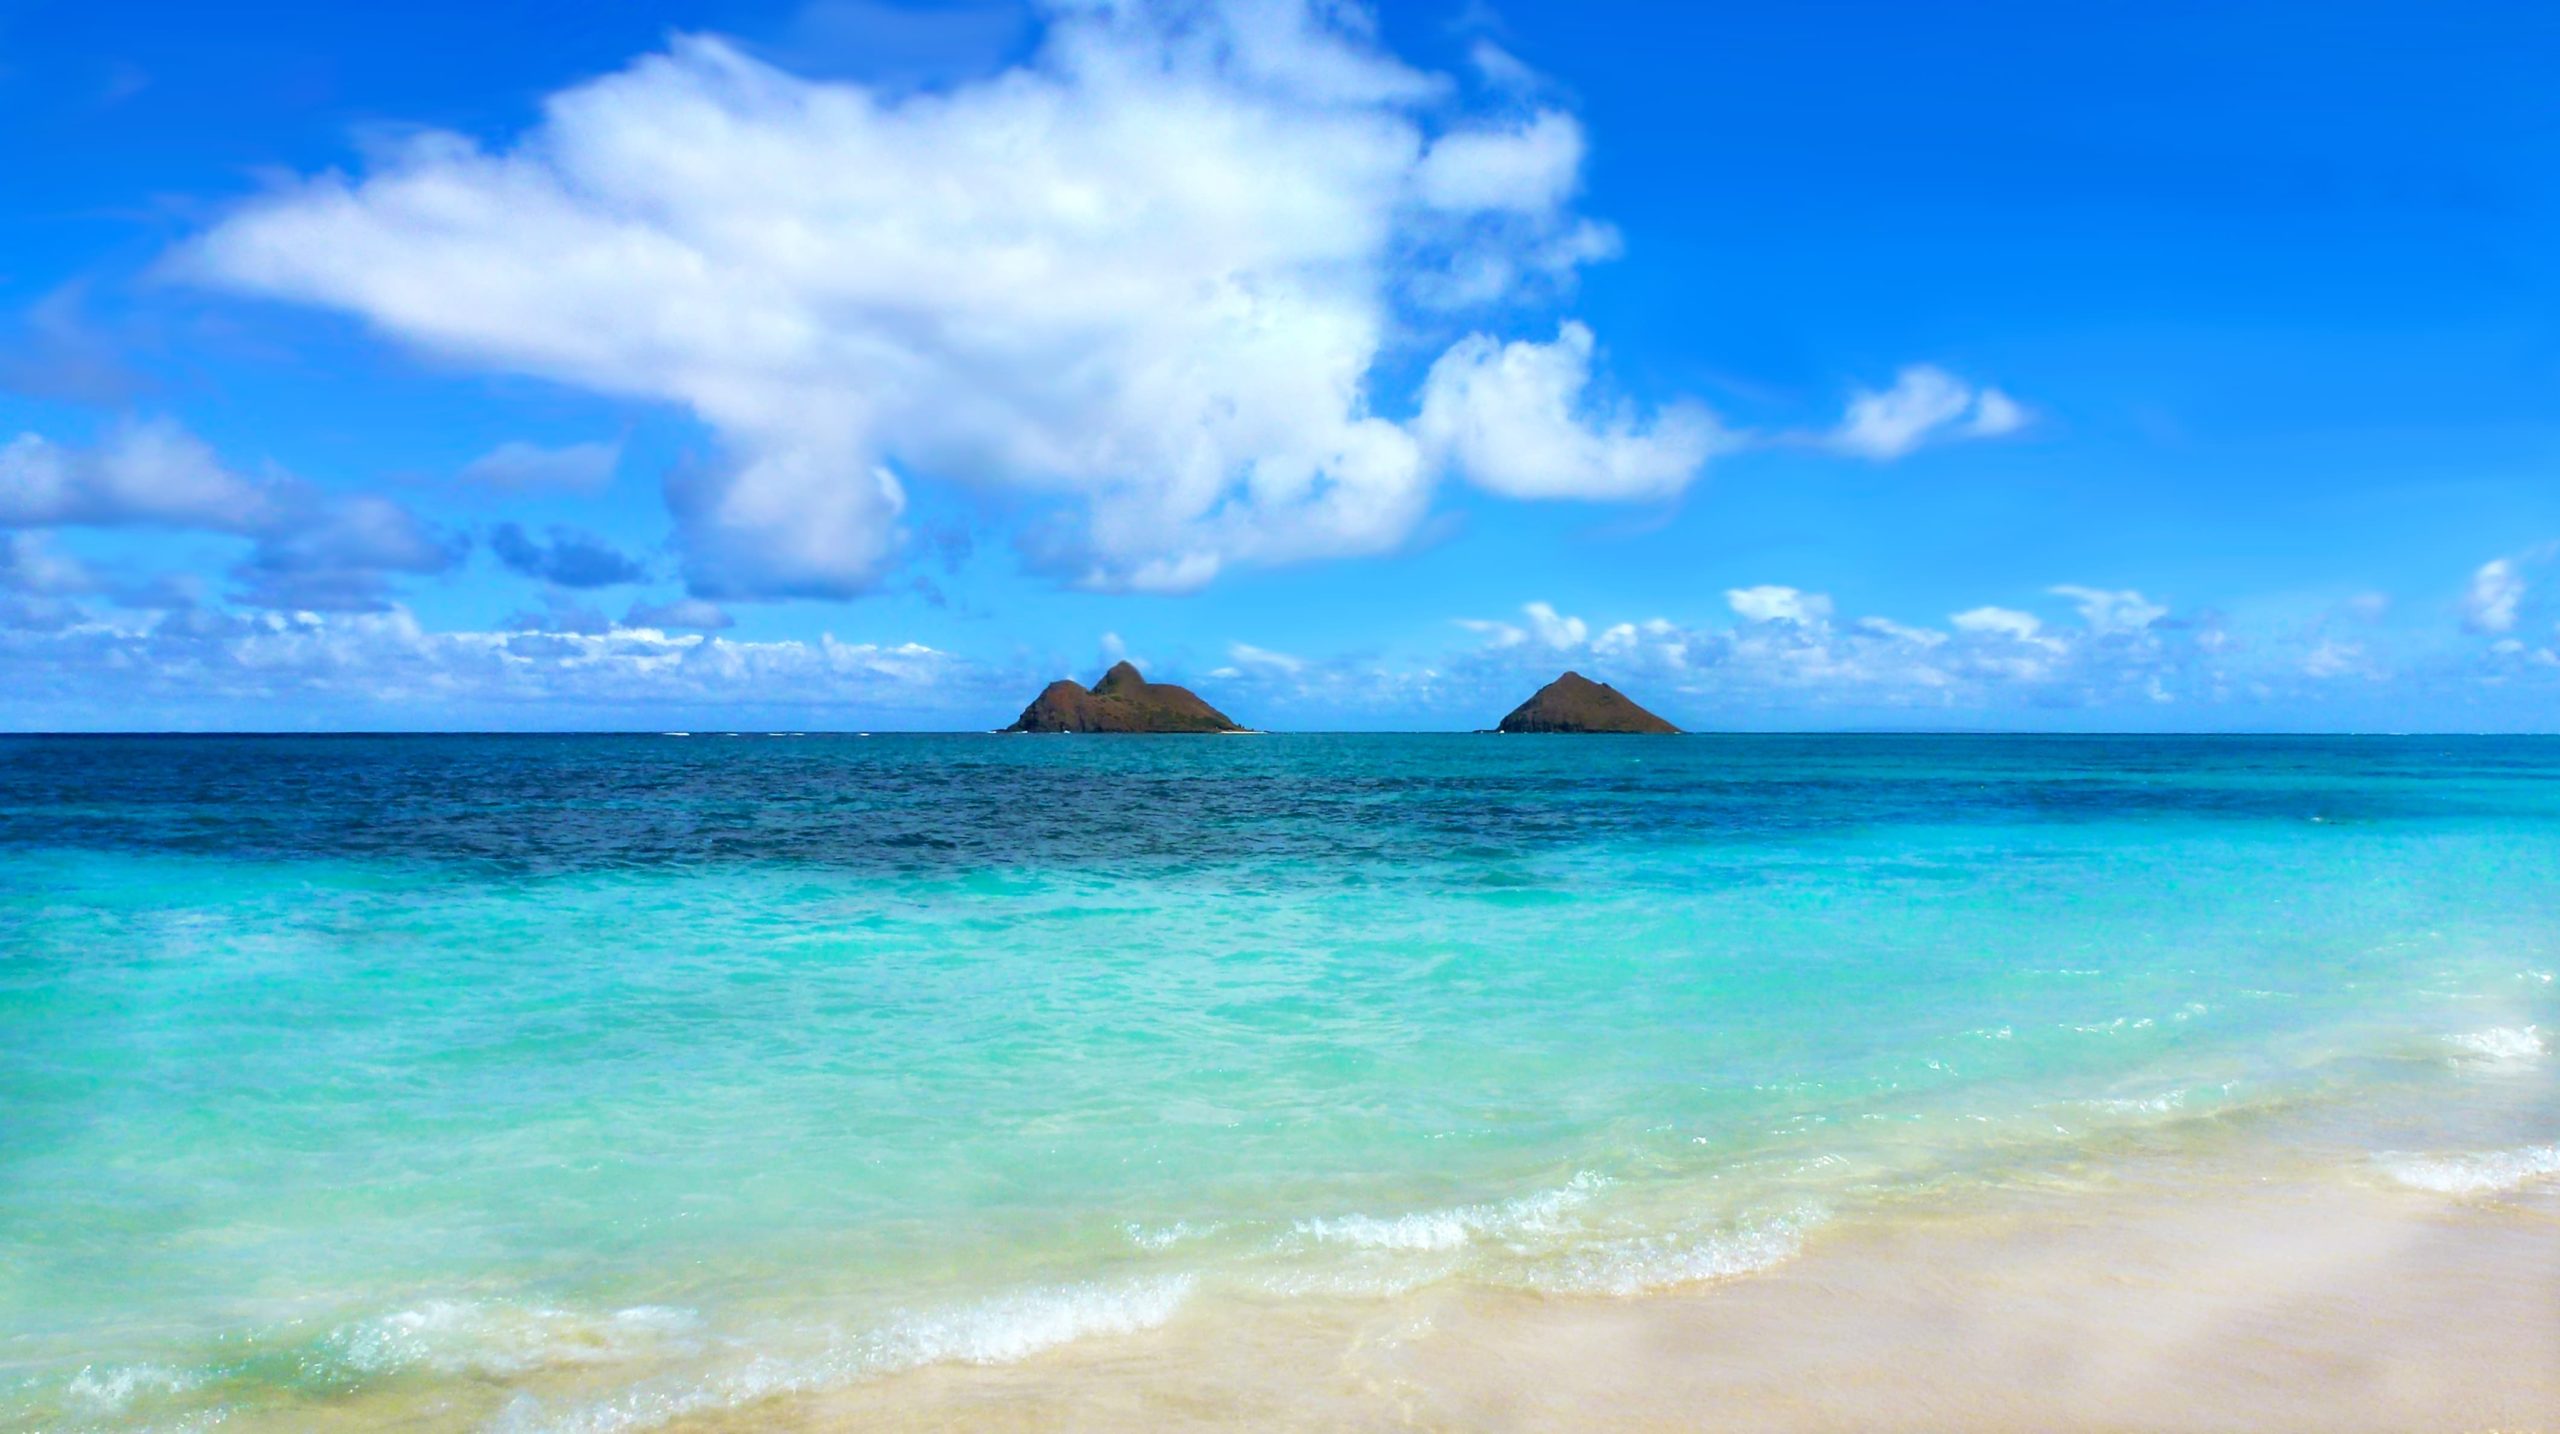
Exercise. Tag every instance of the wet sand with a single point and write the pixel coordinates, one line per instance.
(2160, 1295)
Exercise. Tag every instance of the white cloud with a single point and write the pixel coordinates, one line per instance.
(1770, 602)
(146, 474)
(1657, 640)
(1554, 628)
(2109, 613)
(2005, 622)
(1925, 403)
(1528, 169)
(1786, 648)
(189, 664)
(1500, 68)
(2335, 658)
(1548, 626)
(2496, 591)
(198, 665)
(1513, 419)
(1245, 654)
(1787, 652)
(29, 564)
(337, 556)
(1898, 632)
(1144, 278)
(576, 467)
(1996, 413)
(309, 548)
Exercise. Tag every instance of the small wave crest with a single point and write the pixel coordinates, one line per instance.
(1644, 1263)
(492, 1337)
(1001, 1330)
(112, 1388)
(2485, 1174)
(1165, 1237)
(2503, 1047)
(1016, 1326)
(2165, 1103)
(1452, 1229)
(2180, 1103)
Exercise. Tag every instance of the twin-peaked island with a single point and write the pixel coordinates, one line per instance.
(1123, 701)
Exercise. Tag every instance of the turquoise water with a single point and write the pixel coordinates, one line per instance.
(587, 1082)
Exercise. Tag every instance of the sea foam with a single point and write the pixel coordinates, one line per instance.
(110, 1388)
(496, 1337)
(1000, 1330)
(1653, 1262)
(2484, 1174)
(1016, 1326)
(1451, 1229)
(2500, 1046)
(1165, 1237)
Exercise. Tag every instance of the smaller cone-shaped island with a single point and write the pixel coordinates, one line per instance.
(1122, 701)
(1575, 703)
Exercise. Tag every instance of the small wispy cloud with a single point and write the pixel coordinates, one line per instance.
(2496, 592)
(576, 467)
(1245, 654)
(1926, 404)
(1548, 626)
(1772, 602)
(2111, 613)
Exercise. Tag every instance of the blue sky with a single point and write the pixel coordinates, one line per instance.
(858, 364)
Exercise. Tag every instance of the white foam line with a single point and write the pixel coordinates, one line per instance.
(1654, 1262)
(494, 1337)
(1001, 1330)
(2505, 1046)
(107, 1389)
(2491, 1173)
(1454, 1228)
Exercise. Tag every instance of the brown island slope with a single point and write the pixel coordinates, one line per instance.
(1122, 701)
(1575, 703)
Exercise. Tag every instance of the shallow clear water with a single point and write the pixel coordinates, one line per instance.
(580, 1082)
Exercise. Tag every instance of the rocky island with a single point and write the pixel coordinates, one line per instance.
(1122, 701)
(1575, 703)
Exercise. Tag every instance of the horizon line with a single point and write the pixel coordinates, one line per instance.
(2041, 732)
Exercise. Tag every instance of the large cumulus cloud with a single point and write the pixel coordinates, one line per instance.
(1148, 278)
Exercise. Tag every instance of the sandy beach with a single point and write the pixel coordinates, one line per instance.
(2164, 1293)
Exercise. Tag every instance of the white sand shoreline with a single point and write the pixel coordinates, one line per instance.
(2167, 1294)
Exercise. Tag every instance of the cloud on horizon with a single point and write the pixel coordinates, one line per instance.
(203, 668)
(1784, 657)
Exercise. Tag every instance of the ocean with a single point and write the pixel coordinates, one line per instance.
(604, 1082)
